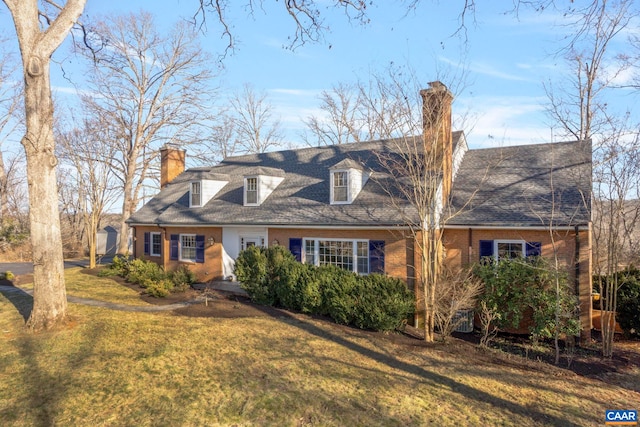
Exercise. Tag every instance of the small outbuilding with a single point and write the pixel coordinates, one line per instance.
(107, 241)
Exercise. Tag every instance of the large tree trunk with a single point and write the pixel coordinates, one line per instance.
(127, 206)
(49, 295)
(36, 48)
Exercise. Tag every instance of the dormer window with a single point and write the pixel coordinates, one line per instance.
(347, 178)
(204, 186)
(196, 194)
(259, 185)
(340, 186)
(251, 191)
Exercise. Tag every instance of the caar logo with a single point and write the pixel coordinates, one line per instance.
(621, 417)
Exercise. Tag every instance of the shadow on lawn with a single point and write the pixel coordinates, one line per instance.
(21, 300)
(464, 390)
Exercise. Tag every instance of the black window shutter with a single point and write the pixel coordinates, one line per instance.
(173, 246)
(486, 248)
(534, 249)
(147, 238)
(376, 256)
(295, 246)
(199, 248)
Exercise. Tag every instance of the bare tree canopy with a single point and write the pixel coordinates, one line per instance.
(256, 128)
(147, 89)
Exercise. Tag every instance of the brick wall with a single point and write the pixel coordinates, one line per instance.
(462, 248)
(211, 269)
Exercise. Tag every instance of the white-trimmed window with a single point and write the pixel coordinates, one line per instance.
(251, 191)
(351, 255)
(155, 247)
(248, 241)
(508, 249)
(188, 247)
(340, 187)
(195, 199)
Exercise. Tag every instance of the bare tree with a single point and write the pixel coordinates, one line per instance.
(9, 106)
(616, 219)
(582, 112)
(147, 89)
(257, 130)
(340, 122)
(89, 158)
(220, 140)
(418, 174)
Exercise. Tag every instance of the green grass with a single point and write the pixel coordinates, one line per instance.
(113, 368)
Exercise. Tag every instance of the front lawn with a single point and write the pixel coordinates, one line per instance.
(114, 368)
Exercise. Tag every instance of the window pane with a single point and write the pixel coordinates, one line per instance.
(252, 190)
(188, 243)
(310, 252)
(335, 253)
(195, 194)
(363, 257)
(509, 250)
(340, 189)
(156, 243)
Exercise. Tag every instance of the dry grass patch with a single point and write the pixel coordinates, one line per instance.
(82, 285)
(118, 368)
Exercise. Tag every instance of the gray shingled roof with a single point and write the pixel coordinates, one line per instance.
(511, 194)
(529, 185)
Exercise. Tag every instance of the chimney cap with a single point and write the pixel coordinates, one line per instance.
(437, 85)
(171, 146)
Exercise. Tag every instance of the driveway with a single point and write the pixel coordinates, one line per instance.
(20, 268)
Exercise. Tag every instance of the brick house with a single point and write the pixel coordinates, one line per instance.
(331, 205)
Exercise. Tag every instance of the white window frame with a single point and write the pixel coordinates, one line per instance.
(181, 247)
(246, 190)
(259, 240)
(497, 242)
(191, 194)
(151, 236)
(316, 252)
(347, 186)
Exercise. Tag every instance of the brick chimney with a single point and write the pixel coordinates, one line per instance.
(436, 124)
(172, 161)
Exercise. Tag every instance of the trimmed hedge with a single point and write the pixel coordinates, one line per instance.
(150, 276)
(273, 277)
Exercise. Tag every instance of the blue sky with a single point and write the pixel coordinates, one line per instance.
(507, 59)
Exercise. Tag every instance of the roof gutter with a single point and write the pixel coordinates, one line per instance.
(518, 227)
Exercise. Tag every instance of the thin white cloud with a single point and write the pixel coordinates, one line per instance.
(485, 69)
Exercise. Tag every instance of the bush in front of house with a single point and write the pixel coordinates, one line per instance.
(118, 267)
(382, 303)
(150, 276)
(273, 277)
(627, 299)
(338, 289)
(513, 287)
(182, 279)
(251, 271)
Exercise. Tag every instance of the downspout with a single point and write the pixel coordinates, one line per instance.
(135, 238)
(470, 248)
(576, 279)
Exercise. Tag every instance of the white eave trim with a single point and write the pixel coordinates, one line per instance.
(312, 227)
